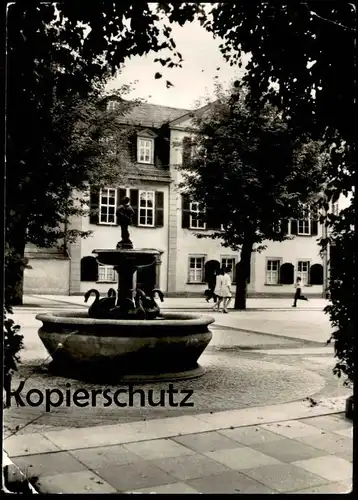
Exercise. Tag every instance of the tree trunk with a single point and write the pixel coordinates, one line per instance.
(242, 276)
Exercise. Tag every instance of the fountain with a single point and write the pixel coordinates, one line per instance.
(129, 340)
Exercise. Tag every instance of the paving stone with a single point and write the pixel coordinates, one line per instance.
(47, 464)
(28, 444)
(338, 487)
(96, 458)
(329, 442)
(167, 488)
(228, 482)
(328, 423)
(130, 477)
(292, 429)
(329, 467)
(190, 466)
(241, 458)
(346, 456)
(288, 450)
(345, 432)
(206, 441)
(250, 435)
(75, 482)
(158, 448)
(284, 477)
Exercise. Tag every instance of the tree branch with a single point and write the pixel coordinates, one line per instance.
(346, 28)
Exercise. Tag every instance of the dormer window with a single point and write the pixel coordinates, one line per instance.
(112, 106)
(145, 150)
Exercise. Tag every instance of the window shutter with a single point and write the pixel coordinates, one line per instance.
(187, 145)
(89, 269)
(314, 227)
(285, 224)
(314, 222)
(134, 147)
(121, 193)
(294, 226)
(159, 209)
(134, 201)
(94, 205)
(211, 223)
(185, 208)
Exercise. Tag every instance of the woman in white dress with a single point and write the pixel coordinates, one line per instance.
(226, 289)
(217, 290)
(222, 290)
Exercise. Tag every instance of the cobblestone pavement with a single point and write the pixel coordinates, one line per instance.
(237, 376)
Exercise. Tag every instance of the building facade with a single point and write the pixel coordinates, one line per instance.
(167, 221)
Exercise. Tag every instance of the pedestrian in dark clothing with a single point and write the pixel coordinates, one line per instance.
(209, 293)
(298, 293)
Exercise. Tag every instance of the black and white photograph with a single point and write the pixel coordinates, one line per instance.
(179, 247)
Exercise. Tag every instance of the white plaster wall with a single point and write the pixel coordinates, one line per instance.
(299, 248)
(187, 242)
(104, 237)
(47, 276)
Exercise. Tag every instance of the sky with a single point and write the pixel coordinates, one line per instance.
(192, 83)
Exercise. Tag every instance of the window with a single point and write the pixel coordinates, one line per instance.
(112, 105)
(304, 224)
(107, 206)
(303, 269)
(272, 272)
(335, 208)
(146, 208)
(196, 269)
(229, 262)
(109, 143)
(106, 273)
(145, 150)
(195, 211)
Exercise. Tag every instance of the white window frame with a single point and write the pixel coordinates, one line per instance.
(193, 270)
(305, 222)
(109, 274)
(229, 257)
(304, 275)
(106, 222)
(269, 273)
(151, 150)
(196, 223)
(112, 105)
(146, 209)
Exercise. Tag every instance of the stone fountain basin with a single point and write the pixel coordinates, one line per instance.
(166, 348)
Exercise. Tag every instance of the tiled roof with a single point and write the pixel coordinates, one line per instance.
(148, 173)
(152, 115)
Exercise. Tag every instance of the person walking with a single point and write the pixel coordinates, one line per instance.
(218, 289)
(226, 289)
(298, 293)
(209, 293)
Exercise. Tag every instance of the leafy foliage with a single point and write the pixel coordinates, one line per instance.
(251, 173)
(13, 343)
(304, 55)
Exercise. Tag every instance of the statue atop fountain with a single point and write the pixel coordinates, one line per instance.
(125, 214)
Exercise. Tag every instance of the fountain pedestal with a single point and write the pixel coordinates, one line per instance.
(126, 262)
